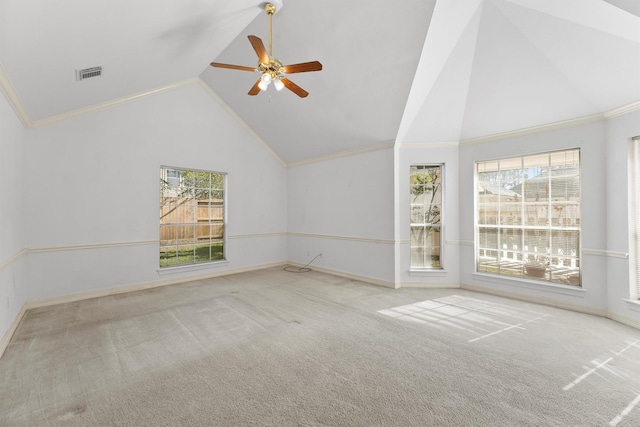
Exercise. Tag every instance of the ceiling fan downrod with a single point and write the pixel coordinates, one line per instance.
(270, 68)
(270, 9)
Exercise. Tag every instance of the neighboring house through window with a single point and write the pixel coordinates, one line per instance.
(528, 217)
(192, 216)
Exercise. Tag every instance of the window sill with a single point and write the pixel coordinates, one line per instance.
(192, 267)
(428, 273)
(532, 284)
(633, 304)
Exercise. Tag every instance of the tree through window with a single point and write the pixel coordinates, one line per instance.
(426, 213)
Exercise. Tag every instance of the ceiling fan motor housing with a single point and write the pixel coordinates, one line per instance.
(270, 68)
(274, 67)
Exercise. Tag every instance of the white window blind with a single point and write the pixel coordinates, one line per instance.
(528, 217)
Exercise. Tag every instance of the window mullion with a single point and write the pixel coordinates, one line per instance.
(425, 216)
(636, 206)
(180, 231)
(534, 205)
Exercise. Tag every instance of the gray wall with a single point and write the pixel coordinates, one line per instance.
(343, 208)
(94, 222)
(620, 130)
(415, 154)
(13, 287)
(605, 232)
(89, 195)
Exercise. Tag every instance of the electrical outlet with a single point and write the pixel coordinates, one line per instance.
(7, 303)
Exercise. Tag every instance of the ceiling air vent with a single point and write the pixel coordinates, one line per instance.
(88, 73)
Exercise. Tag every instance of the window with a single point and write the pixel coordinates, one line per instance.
(634, 221)
(192, 216)
(426, 210)
(173, 177)
(528, 217)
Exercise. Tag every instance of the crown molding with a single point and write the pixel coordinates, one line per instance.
(7, 88)
(440, 144)
(14, 100)
(607, 115)
(9, 91)
(621, 111)
(349, 153)
(533, 129)
(109, 104)
(240, 121)
(12, 97)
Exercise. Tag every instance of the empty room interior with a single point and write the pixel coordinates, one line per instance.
(320, 213)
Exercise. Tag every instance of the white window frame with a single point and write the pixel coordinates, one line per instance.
(427, 248)
(203, 217)
(515, 259)
(634, 217)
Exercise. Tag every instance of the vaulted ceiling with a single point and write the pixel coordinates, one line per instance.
(411, 71)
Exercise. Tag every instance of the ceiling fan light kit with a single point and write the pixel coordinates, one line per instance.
(270, 68)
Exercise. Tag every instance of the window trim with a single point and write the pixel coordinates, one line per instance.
(211, 263)
(634, 218)
(498, 226)
(441, 268)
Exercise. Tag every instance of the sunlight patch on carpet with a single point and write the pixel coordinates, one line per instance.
(473, 318)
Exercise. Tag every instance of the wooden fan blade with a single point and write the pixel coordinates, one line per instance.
(303, 67)
(258, 46)
(294, 88)
(233, 67)
(255, 89)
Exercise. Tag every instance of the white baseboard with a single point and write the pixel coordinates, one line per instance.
(537, 300)
(142, 286)
(427, 285)
(159, 283)
(634, 323)
(118, 290)
(348, 275)
(12, 329)
(154, 284)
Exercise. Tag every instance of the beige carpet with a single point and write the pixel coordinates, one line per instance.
(272, 348)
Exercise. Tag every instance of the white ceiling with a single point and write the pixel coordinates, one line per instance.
(410, 71)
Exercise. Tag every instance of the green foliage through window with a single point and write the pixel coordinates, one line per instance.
(192, 216)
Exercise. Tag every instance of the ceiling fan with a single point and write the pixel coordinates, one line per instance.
(271, 68)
